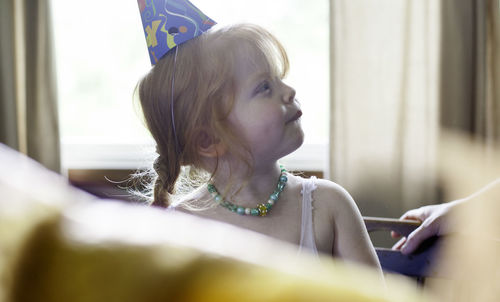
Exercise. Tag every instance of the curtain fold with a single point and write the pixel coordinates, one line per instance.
(492, 109)
(28, 109)
(8, 124)
(470, 73)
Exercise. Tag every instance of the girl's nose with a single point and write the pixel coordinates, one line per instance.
(288, 95)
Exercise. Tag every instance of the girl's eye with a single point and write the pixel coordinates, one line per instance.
(263, 87)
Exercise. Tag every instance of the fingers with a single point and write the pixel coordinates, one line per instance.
(415, 214)
(431, 218)
(395, 234)
(399, 244)
(417, 237)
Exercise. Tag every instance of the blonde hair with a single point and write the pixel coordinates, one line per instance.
(203, 95)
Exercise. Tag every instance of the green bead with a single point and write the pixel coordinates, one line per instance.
(274, 196)
(240, 211)
(283, 178)
(254, 212)
(268, 206)
(211, 188)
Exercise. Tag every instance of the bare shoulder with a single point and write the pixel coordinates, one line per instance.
(333, 196)
(328, 196)
(329, 187)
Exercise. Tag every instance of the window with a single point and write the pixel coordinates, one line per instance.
(101, 54)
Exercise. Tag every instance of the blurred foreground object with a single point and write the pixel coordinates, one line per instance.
(472, 256)
(59, 244)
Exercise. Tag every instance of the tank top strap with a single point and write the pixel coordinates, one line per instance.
(307, 241)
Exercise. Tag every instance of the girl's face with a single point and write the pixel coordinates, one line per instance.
(265, 111)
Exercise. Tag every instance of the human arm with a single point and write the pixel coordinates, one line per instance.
(351, 241)
(435, 220)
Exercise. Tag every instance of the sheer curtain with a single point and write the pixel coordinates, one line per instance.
(402, 71)
(384, 110)
(28, 107)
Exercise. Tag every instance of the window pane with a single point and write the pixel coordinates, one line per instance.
(101, 55)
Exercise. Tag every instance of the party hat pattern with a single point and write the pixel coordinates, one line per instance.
(168, 23)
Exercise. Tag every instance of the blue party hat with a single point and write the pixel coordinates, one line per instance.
(168, 23)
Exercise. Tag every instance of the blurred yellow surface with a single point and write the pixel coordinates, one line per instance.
(58, 244)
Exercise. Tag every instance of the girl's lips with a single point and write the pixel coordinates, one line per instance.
(296, 116)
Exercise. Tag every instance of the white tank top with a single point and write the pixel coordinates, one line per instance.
(307, 242)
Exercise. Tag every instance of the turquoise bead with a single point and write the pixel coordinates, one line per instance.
(211, 188)
(240, 211)
(254, 212)
(283, 178)
(268, 206)
(274, 196)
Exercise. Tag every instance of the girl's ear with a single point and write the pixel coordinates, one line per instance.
(209, 146)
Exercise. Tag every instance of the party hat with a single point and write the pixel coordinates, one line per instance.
(168, 23)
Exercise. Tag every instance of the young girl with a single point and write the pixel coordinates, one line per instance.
(232, 119)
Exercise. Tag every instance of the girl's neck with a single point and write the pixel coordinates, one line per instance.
(247, 190)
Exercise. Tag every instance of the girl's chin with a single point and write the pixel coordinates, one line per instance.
(297, 143)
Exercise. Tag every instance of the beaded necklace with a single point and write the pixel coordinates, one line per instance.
(261, 209)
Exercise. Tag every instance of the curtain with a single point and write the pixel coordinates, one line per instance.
(402, 71)
(470, 68)
(384, 102)
(28, 107)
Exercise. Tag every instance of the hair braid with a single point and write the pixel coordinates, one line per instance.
(164, 184)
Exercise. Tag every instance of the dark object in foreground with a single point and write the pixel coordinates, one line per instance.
(420, 264)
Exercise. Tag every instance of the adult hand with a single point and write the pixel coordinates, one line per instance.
(433, 220)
